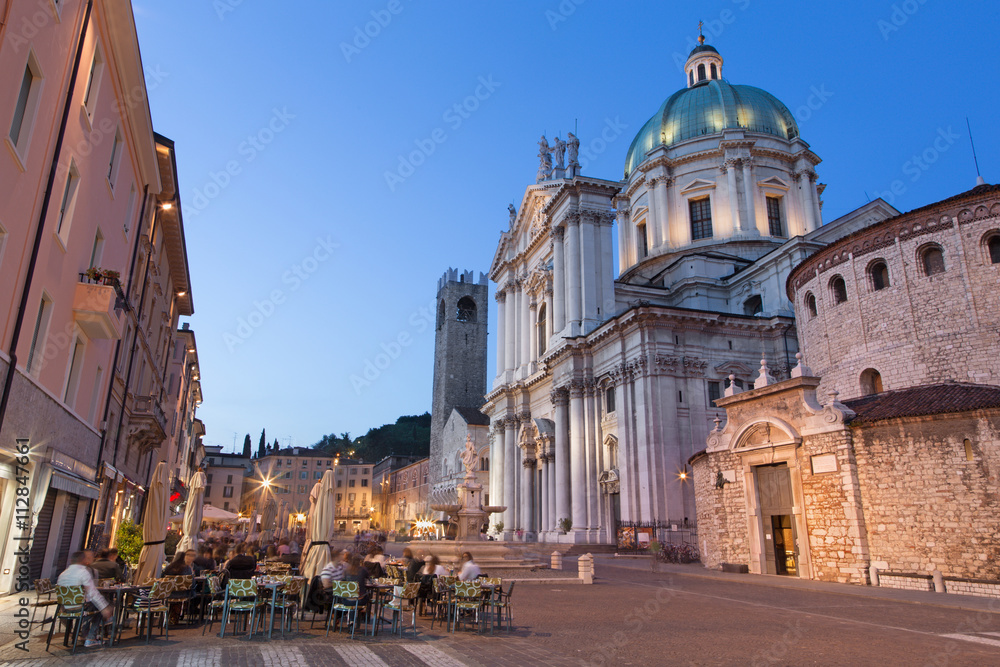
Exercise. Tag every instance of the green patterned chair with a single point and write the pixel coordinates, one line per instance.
(345, 601)
(241, 598)
(147, 605)
(500, 606)
(71, 607)
(467, 601)
(216, 601)
(43, 587)
(288, 601)
(398, 604)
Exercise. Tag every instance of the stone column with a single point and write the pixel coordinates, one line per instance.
(526, 321)
(734, 197)
(573, 273)
(509, 472)
(501, 297)
(543, 492)
(527, 491)
(558, 281)
(805, 179)
(510, 336)
(624, 221)
(592, 471)
(533, 328)
(589, 272)
(750, 194)
(653, 188)
(497, 463)
(561, 483)
(578, 430)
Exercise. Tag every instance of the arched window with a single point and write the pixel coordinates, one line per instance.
(838, 289)
(691, 78)
(879, 273)
(441, 315)
(701, 72)
(466, 310)
(609, 400)
(753, 305)
(871, 382)
(932, 260)
(993, 246)
(543, 333)
(484, 463)
(715, 71)
(811, 304)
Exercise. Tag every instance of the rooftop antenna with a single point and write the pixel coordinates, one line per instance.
(979, 179)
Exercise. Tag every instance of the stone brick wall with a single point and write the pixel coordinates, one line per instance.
(909, 582)
(837, 543)
(926, 506)
(921, 329)
(722, 518)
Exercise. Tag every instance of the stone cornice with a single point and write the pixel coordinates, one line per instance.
(928, 220)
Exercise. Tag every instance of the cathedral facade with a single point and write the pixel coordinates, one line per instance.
(606, 380)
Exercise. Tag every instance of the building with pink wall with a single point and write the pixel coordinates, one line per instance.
(86, 191)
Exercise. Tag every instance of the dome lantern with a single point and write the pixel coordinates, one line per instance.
(703, 64)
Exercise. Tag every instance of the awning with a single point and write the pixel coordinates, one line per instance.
(75, 485)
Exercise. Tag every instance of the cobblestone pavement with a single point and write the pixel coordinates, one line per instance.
(682, 615)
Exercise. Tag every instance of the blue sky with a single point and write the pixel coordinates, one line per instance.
(336, 158)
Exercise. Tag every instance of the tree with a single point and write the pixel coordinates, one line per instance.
(263, 440)
(246, 446)
(276, 445)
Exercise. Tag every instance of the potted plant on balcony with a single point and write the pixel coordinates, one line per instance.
(105, 276)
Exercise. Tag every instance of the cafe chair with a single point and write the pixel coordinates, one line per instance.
(397, 606)
(216, 601)
(71, 607)
(467, 601)
(344, 593)
(241, 598)
(43, 587)
(149, 603)
(500, 606)
(288, 600)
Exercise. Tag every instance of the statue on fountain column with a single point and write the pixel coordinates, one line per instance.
(470, 458)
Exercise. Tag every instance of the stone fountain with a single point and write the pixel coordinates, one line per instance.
(469, 515)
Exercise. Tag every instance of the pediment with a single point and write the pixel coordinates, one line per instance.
(696, 185)
(763, 434)
(735, 368)
(774, 182)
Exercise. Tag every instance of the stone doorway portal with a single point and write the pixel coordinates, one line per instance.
(774, 491)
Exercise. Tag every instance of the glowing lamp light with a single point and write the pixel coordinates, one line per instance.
(682, 475)
(167, 206)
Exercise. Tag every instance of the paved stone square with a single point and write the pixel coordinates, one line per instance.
(630, 616)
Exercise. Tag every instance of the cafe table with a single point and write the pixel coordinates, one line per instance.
(117, 592)
(273, 585)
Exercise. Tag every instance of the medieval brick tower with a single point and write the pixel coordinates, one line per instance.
(459, 354)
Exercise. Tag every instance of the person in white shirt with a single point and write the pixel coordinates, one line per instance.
(79, 574)
(469, 570)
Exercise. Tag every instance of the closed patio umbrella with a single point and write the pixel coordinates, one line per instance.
(267, 520)
(282, 530)
(193, 513)
(319, 529)
(253, 534)
(154, 526)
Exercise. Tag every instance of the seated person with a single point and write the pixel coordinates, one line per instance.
(204, 562)
(78, 574)
(242, 565)
(106, 566)
(181, 565)
(335, 570)
(283, 548)
(470, 570)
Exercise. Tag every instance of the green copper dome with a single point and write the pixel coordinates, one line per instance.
(709, 108)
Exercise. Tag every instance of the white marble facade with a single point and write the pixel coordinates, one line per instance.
(605, 377)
